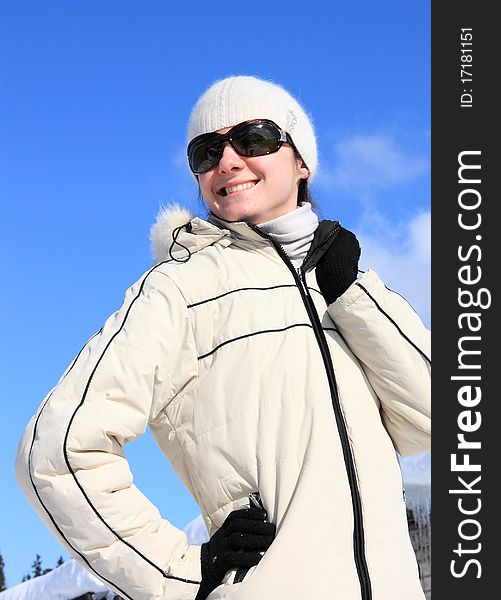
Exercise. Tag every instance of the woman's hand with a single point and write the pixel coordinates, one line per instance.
(338, 267)
(238, 543)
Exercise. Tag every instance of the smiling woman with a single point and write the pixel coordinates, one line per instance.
(255, 188)
(269, 150)
(279, 385)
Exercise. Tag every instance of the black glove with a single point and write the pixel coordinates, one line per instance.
(338, 267)
(238, 543)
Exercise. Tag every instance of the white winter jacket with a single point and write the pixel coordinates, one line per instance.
(249, 383)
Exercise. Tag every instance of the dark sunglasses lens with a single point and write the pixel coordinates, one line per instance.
(203, 155)
(248, 139)
(256, 139)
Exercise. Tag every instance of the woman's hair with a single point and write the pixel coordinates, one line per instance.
(303, 191)
(303, 194)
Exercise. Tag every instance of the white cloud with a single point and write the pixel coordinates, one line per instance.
(371, 161)
(400, 254)
(178, 158)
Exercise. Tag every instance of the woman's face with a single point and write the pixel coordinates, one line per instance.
(267, 185)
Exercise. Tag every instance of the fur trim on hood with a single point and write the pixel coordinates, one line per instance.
(198, 236)
(168, 218)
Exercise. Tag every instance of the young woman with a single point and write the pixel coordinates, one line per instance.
(279, 385)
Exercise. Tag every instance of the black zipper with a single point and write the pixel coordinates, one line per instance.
(358, 526)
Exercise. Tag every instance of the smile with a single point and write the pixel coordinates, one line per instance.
(237, 188)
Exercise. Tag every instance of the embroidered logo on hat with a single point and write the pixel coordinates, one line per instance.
(292, 120)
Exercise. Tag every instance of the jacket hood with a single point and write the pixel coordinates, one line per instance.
(177, 233)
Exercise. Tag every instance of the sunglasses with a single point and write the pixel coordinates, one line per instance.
(250, 138)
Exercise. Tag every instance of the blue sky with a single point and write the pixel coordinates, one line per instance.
(93, 112)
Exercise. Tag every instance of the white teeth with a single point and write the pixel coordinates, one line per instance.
(240, 187)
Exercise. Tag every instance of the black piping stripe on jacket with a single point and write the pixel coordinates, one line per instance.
(393, 322)
(72, 471)
(35, 487)
(247, 289)
(261, 332)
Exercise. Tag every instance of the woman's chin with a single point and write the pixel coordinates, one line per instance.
(234, 213)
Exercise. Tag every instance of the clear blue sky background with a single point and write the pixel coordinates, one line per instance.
(95, 96)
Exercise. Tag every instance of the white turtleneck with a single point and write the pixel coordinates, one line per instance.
(294, 231)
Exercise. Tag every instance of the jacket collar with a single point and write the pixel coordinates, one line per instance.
(177, 231)
(239, 229)
(325, 235)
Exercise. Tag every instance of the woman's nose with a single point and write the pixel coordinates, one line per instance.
(230, 160)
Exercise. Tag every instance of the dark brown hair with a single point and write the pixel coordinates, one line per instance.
(303, 192)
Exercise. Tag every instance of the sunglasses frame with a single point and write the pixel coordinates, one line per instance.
(222, 138)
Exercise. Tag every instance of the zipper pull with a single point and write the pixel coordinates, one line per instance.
(255, 500)
(302, 279)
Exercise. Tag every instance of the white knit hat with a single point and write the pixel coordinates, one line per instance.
(242, 98)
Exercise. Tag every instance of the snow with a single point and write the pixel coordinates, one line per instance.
(196, 531)
(416, 473)
(67, 581)
(416, 470)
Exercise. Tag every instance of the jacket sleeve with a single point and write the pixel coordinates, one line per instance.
(393, 346)
(70, 463)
